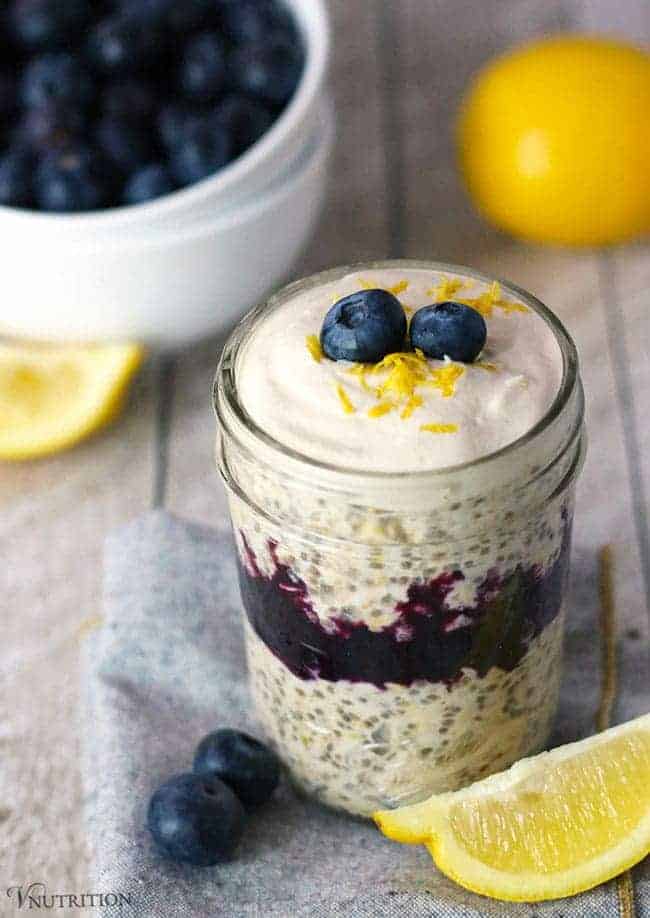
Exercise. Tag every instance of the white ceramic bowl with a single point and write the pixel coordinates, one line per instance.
(166, 288)
(243, 179)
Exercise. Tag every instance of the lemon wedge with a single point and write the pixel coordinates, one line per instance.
(53, 396)
(550, 826)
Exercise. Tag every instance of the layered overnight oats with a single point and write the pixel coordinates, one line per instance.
(400, 443)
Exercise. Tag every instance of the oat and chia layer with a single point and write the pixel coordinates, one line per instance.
(402, 573)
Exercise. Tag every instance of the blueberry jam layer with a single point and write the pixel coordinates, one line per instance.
(427, 641)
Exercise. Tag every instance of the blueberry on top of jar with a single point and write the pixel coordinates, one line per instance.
(364, 327)
(449, 329)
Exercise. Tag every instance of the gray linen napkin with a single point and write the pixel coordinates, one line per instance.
(167, 666)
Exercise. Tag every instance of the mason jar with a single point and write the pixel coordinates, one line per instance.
(372, 686)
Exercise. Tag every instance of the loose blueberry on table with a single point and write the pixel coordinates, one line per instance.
(198, 818)
(146, 95)
(243, 763)
(195, 819)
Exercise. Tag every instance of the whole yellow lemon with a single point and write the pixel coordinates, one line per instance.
(554, 141)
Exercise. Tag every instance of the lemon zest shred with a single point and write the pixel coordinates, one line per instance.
(396, 289)
(378, 410)
(446, 288)
(486, 302)
(445, 379)
(486, 365)
(360, 370)
(439, 428)
(509, 306)
(414, 402)
(404, 372)
(344, 398)
(314, 348)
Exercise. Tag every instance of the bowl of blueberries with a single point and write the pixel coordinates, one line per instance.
(162, 162)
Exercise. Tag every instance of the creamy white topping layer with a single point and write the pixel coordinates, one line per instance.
(408, 413)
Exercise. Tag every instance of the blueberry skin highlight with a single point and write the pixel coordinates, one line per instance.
(364, 327)
(150, 182)
(195, 819)
(175, 122)
(269, 72)
(38, 24)
(247, 766)
(56, 78)
(206, 148)
(72, 180)
(248, 21)
(50, 127)
(122, 44)
(449, 330)
(202, 72)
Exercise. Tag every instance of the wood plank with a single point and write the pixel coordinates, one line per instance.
(625, 279)
(354, 226)
(440, 49)
(53, 518)
(630, 19)
(625, 276)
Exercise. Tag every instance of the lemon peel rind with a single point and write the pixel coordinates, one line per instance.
(486, 881)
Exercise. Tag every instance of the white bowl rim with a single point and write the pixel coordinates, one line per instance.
(313, 20)
(317, 150)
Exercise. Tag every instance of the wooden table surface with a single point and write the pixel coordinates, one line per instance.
(398, 71)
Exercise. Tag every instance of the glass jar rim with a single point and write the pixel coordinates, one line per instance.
(225, 379)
